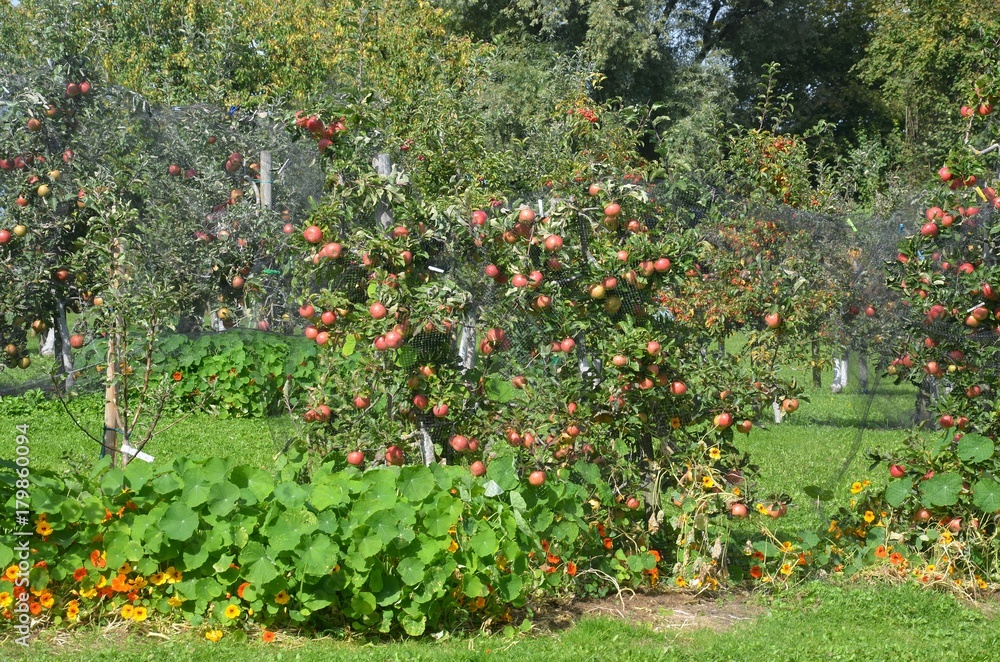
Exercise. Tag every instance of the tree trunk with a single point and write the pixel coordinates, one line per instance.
(863, 371)
(922, 412)
(817, 373)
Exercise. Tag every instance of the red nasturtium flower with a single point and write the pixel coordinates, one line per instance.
(242, 588)
(79, 574)
(607, 543)
(545, 546)
(756, 572)
(552, 559)
(570, 568)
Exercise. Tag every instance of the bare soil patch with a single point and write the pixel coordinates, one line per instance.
(669, 611)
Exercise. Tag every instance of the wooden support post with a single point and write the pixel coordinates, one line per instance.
(383, 214)
(265, 179)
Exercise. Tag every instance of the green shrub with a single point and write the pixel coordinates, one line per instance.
(388, 549)
(240, 373)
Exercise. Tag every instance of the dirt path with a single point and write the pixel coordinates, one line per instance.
(661, 611)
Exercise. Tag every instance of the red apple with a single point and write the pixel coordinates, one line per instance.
(536, 478)
(773, 320)
(738, 510)
(897, 471)
(356, 458)
(394, 456)
(477, 468)
(723, 420)
(312, 234)
(377, 310)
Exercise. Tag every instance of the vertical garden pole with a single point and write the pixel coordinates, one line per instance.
(265, 179)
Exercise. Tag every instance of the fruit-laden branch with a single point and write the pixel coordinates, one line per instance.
(979, 152)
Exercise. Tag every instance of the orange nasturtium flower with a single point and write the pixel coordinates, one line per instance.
(97, 559)
(120, 584)
(570, 568)
(268, 636)
(47, 599)
(79, 574)
(242, 587)
(178, 376)
(756, 572)
(72, 610)
(35, 608)
(655, 554)
(607, 543)
(11, 573)
(881, 552)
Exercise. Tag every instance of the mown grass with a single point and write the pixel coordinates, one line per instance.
(816, 621)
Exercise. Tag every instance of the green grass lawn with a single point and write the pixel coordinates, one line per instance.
(816, 621)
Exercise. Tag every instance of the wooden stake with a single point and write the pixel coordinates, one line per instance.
(265, 179)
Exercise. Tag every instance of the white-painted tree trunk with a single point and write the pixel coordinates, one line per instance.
(779, 415)
(839, 373)
(48, 346)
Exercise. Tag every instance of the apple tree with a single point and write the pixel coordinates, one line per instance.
(130, 218)
(465, 328)
(944, 477)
